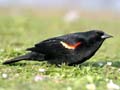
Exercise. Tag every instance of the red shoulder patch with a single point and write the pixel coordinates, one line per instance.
(70, 46)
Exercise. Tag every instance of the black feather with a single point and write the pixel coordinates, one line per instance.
(54, 52)
(28, 56)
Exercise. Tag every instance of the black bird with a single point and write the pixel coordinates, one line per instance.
(74, 48)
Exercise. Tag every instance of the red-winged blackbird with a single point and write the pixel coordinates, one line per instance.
(71, 49)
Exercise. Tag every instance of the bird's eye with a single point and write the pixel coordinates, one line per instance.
(100, 33)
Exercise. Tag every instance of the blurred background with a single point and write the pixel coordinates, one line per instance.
(24, 23)
(86, 8)
(42, 19)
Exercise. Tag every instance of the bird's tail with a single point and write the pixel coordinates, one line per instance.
(29, 56)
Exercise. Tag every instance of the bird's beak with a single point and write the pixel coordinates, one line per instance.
(106, 36)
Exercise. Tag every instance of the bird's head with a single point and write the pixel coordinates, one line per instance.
(97, 36)
(100, 34)
(92, 37)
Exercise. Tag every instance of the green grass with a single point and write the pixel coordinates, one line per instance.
(19, 32)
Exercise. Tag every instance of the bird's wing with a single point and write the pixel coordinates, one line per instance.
(55, 46)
